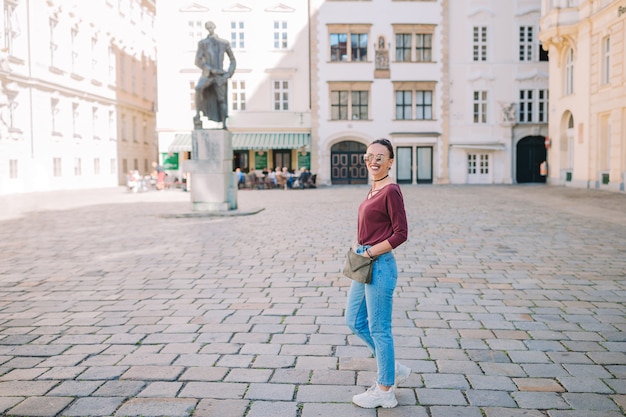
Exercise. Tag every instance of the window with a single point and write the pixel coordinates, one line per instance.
(78, 167)
(280, 35)
(404, 105)
(12, 168)
(54, 115)
(359, 105)
(480, 43)
(96, 166)
(569, 73)
(122, 82)
(414, 100)
(75, 120)
(418, 38)
(543, 54)
(134, 129)
(238, 94)
(526, 43)
(281, 95)
(111, 65)
(353, 51)
(94, 123)
(75, 48)
(53, 41)
(237, 35)
(606, 60)
(403, 47)
(111, 126)
(195, 32)
(480, 107)
(56, 167)
(113, 166)
(11, 26)
(123, 129)
(477, 164)
(94, 55)
(542, 115)
(525, 106)
(349, 101)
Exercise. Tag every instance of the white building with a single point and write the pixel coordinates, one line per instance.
(76, 83)
(498, 107)
(269, 94)
(378, 72)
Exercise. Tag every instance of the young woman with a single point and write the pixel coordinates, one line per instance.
(382, 226)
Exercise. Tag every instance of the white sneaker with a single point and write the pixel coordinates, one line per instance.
(402, 374)
(375, 397)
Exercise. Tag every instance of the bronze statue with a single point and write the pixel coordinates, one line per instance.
(212, 86)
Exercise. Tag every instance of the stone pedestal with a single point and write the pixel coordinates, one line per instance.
(213, 182)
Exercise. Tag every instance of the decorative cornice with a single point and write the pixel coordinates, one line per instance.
(194, 8)
(237, 8)
(531, 10)
(479, 10)
(280, 8)
(481, 75)
(536, 74)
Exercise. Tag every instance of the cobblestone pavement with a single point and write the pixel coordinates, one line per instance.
(510, 302)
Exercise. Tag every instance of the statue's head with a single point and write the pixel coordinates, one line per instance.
(210, 26)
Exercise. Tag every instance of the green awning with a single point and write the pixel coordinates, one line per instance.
(181, 143)
(261, 141)
(254, 141)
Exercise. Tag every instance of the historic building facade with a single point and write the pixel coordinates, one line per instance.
(379, 71)
(268, 95)
(77, 93)
(587, 43)
(498, 108)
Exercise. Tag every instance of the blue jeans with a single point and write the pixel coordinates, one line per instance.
(368, 313)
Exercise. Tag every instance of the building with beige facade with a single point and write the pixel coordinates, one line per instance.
(587, 44)
(77, 93)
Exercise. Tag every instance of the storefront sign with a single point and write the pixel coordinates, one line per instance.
(304, 160)
(260, 160)
(170, 161)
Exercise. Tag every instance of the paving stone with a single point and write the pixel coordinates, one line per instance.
(539, 400)
(450, 411)
(40, 406)
(510, 412)
(587, 401)
(221, 408)
(427, 396)
(485, 398)
(161, 389)
(270, 392)
(343, 410)
(584, 384)
(492, 383)
(618, 385)
(528, 356)
(538, 385)
(119, 389)
(157, 407)
(75, 388)
(451, 381)
(544, 370)
(327, 393)
(93, 406)
(217, 390)
(583, 413)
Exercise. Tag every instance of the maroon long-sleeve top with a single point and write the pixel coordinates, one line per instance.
(382, 217)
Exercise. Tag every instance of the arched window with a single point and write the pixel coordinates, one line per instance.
(569, 73)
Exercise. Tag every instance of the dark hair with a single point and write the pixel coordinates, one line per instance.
(387, 144)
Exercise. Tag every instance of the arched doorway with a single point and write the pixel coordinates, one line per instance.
(346, 163)
(531, 152)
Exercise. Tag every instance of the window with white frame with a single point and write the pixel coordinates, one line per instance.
(195, 32)
(477, 164)
(124, 127)
(113, 166)
(238, 94)
(134, 129)
(13, 168)
(78, 168)
(569, 72)
(606, 60)
(479, 36)
(54, 116)
(122, 82)
(237, 35)
(349, 100)
(94, 55)
(111, 126)
(542, 106)
(12, 109)
(96, 166)
(280, 92)
(76, 120)
(56, 167)
(280, 35)
(74, 48)
(94, 123)
(525, 106)
(414, 42)
(480, 107)
(11, 26)
(526, 43)
(53, 41)
(111, 65)
(348, 43)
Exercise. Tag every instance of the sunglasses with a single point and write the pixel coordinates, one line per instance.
(370, 157)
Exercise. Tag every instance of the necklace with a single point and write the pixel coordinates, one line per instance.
(380, 179)
(374, 191)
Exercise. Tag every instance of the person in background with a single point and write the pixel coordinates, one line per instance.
(381, 227)
(241, 178)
